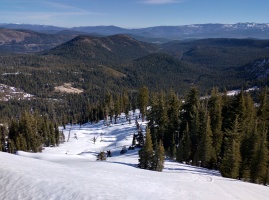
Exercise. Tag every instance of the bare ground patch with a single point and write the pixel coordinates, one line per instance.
(67, 87)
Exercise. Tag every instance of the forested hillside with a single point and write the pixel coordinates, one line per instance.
(228, 133)
(99, 66)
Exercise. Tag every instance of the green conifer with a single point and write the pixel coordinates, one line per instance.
(184, 148)
(204, 154)
(215, 111)
(231, 160)
(143, 100)
(258, 172)
(146, 153)
(158, 164)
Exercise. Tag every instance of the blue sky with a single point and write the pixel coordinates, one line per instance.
(132, 13)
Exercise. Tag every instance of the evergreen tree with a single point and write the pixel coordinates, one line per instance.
(21, 143)
(204, 154)
(153, 111)
(1, 140)
(172, 132)
(140, 139)
(3, 135)
(134, 141)
(228, 114)
(190, 116)
(109, 107)
(215, 112)
(173, 115)
(231, 160)
(162, 120)
(259, 163)
(194, 131)
(143, 100)
(172, 149)
(13, 134)
(247, 152)
(251, 114)
(184, 147)
(158, 162)
(52, 140)
(154, 136)
(45, 132)
(117, 108)
(125, 104)
(247, 135)
(263, 111)
(57, 134)
(28, 129)
(11, 147)
(146, 153)
(240, 108)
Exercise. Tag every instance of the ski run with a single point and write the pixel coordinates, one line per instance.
(72, 172)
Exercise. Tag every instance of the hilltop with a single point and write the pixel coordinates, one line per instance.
(116, 48)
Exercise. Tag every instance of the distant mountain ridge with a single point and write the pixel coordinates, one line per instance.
(194, 31)
(33, 27)
(25, 41)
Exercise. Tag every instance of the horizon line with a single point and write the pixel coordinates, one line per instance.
(133, 27)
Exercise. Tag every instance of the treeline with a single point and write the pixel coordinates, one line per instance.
(228, 133)
(71, 108)
(31, 132)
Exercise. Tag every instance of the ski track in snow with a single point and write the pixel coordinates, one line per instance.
(71, 172)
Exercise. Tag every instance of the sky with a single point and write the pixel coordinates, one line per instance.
(132, 13)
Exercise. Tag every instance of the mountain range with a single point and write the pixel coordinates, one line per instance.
(194, 31)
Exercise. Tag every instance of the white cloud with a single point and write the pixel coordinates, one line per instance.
(159, 2)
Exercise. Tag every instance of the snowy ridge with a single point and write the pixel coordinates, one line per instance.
(238, 30)
(71, 172)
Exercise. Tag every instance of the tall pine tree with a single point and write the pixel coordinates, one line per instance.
(158, 161)
(231, 160)
(259, 164)
(205, 153)
(143, 100)
(146, 153)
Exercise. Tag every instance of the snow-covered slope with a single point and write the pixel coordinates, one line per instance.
(71, 171)
(7, 92)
